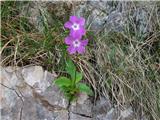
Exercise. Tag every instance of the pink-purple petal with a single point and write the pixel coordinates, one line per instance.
(72, 33)
(84, 42)
(75, 34)
(68, 40)
(68, 25)
(71, 50)
(81, 49)
(81, 21)
(82, 31)
(73, 19)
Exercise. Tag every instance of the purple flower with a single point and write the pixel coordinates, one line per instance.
(75, 45)
(76, 26)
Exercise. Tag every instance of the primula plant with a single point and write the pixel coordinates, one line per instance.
(71, 85)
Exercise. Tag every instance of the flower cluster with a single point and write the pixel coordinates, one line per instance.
(77, 30)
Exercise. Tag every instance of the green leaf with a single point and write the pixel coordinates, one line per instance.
(84, 88)
(78, 77)
(70, 68)
(62, 81)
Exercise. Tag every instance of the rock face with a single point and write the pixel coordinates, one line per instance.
(116, 15)
(37, 14)
(40, 13)
(100, 14)
(28, 94)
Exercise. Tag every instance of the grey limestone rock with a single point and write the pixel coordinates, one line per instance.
(26, 94)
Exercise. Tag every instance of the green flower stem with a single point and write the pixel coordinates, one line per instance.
(74, 81)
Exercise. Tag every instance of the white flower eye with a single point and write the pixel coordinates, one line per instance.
(76, 43)
(75, 26)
